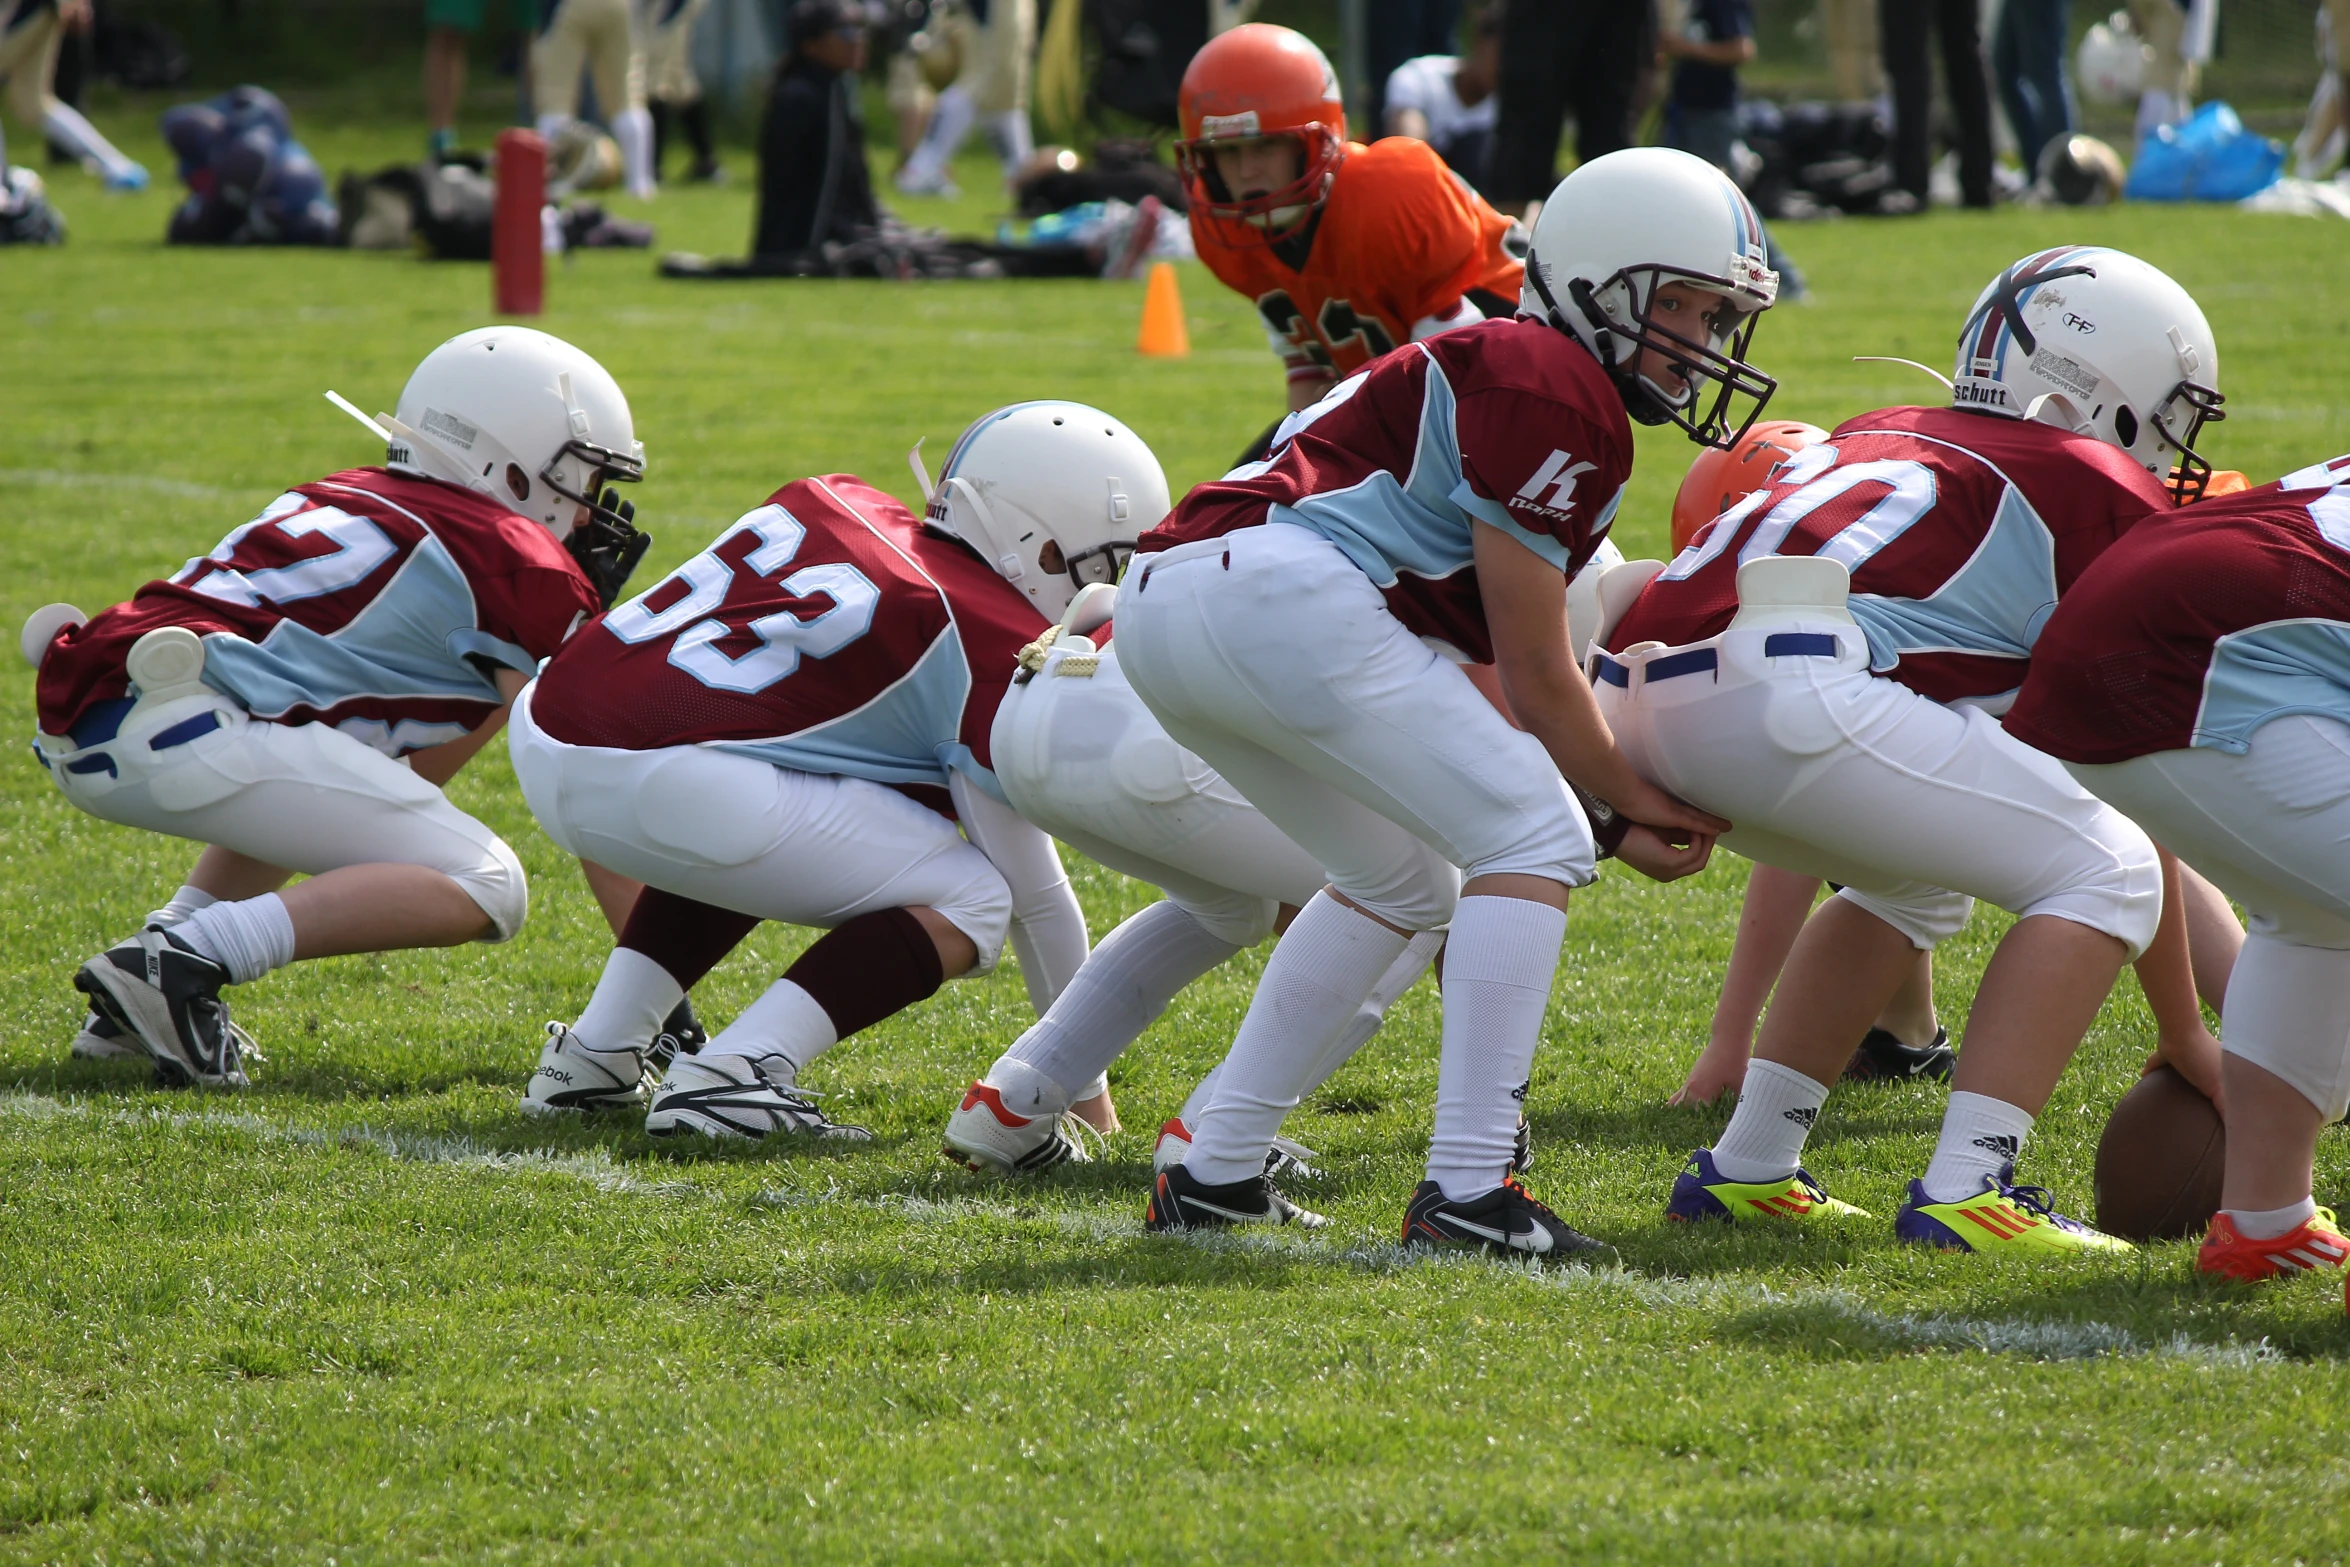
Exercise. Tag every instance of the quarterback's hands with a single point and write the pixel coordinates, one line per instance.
(1645, 803)
(2196, 1060)
(1656, 856)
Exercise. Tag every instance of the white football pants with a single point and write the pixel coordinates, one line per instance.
(2271, 829)
(1272, 656)
(742, 834)
(304, 796)
(1915, 807)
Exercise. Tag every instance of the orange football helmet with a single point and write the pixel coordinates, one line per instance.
(1260, 80)
(2224, 481)
(1720, 478)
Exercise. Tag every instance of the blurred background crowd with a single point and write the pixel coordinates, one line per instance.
(1880, 107)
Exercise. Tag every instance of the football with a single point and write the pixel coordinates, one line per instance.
(2159, 1162)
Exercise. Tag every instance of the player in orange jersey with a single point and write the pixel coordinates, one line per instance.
(1347, 250)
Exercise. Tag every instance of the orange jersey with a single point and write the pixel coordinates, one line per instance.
(1400, 240)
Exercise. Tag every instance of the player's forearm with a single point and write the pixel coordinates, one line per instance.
(1308, 386)
(438, 764)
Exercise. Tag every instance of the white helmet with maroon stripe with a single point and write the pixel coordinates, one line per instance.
(2096, 341)
(1621, 227)
(1052, 495)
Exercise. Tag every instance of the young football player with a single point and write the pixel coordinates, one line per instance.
(1301, 626)
(296, 698)
(1347, 250)
(2198, 677)
(790, 727)
(1823, 668)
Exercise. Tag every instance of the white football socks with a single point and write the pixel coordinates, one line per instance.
(1980, 1136)
(249, 937)
(63, 124)
(1504, 952)
(634, 996)
(950, 122)
(1777, 1106)
(1027, 1091)
(2266, 1224)
(1015, 144)
(186, 903)
(633, 130)
(1319, 975)
(1119, 991)
(785, 1020)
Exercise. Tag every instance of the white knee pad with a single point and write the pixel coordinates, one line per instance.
(981, 908)
(1928, 916)
(2121, 894)
(1236, 919)
(496, 883)
(1553, 841)
(1420, 896)
(2288, 1013)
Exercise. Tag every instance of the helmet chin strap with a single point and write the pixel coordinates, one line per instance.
(921, 472)
(2054, 408)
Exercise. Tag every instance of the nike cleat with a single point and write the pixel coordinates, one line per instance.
(735, 1096)
(1883, 1058)
(102, 1039)
(1505, 1222)
(2313, 1244)
(1702, 1192)
(983, 1135)
(1285, 1160)
(2000, 1217)
(572, 1078)
(165, 994)
(1180, 1203)
(1522, 1149)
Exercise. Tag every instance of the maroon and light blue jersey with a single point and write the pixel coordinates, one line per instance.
(2200, 627)
(1961, 530)
(377, 602)
(1509, 423)
(828, 632)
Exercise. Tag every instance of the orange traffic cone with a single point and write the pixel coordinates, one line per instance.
(1163, 333)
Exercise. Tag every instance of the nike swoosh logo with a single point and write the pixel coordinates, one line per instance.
(1226, 1213)
(1533, 1240)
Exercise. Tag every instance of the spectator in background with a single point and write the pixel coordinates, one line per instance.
(995, 40)
(1906, 26)
(2028, 57)
(1397, 31)
(1447, 100)
(673, 92)
(600, 36)
(1854, 60)
(814, 183)
(1559, 56)
(31, 32)
(449, 26)
(1707, 40)
(2168, 94)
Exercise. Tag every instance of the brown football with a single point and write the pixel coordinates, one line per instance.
(2158, 1164)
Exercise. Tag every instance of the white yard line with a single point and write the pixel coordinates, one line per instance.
(152, 484)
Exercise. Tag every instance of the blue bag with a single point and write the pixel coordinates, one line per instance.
(2210, 158)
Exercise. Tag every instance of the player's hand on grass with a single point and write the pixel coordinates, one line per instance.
(1664, 856)
(1718, 1070)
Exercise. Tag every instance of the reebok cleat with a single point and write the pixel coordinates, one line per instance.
(1883, 1058)
(165, 994)
(1180, 1203)
(1505, 1222)
(2000, 1217)
(735, 1096)
(572, 1078)
(983, 1136)
(1701, 1192)
(2315, 1243)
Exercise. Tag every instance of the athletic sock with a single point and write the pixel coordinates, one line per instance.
(1776, 1108)
(634, 995)
(1317, 979)
(633, 129)
(249, 937)
(694, 119)
(686, 937)
(1120, 990)
(1980, 1136)
(1027, 1091)
(950, 122)
(2266, 1224)
(873, 967)
(64, 124)
(1504, 955)
(660, 113)
(1015, 144)
(185, 904)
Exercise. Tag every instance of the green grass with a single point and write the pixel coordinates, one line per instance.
(368, 1312)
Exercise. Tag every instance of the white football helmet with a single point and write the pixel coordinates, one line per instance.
(1617, 229)
(2098, 342)
(2110, 66)
(1052, 495)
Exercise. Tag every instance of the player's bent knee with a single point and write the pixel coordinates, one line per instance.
(2120, 893)
(981, 908)
(1927, 918)
(1237, 920)
(496, 882)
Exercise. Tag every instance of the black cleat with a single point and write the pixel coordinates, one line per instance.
(1522, 1149)
(1505, 1222)
(1180, 1203)
(1882, 1058)
(165, 994)
(682, 1034)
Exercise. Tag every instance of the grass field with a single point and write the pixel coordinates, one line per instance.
(368, 1312)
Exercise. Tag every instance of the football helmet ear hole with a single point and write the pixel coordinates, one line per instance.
(518, 481)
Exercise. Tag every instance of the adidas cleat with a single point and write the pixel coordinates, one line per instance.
(102, 1039)
(165, 994)
(1180, 1203)
(1883, 1058)
(1702, 1192)
(571, 1077)
(2000, 1217)
(2313, 1244)
(735, 1096)
(1285, 1160)
(983, 1135)
(1505, 1222)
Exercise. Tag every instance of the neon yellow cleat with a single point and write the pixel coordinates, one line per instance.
(1703, 1192)
(2000, 1217)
